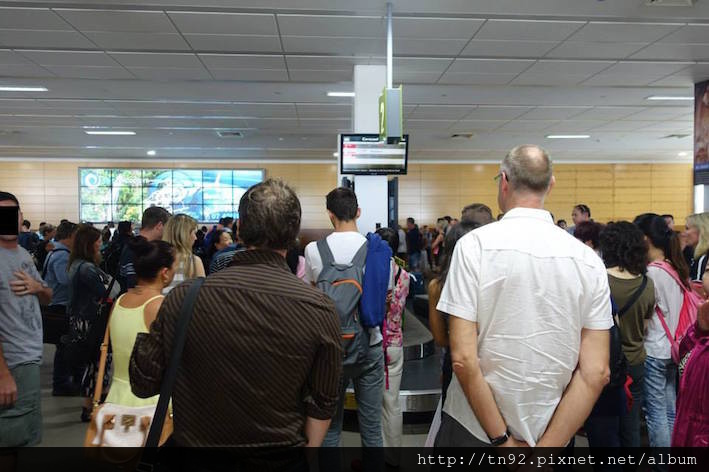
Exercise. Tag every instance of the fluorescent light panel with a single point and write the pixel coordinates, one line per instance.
(340, 94)
(151, 153)
(8, 88)
(670, 97)
(568, 136)
(109, 133)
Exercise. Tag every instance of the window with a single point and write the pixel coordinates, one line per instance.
(122, 194)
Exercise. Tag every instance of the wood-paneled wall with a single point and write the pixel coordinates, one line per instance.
(613, 191)
(49, 191)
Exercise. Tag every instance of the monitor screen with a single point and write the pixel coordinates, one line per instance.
(369, 154)
(701, 133)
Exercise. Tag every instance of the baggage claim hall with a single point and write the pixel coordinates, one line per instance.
(337, 224)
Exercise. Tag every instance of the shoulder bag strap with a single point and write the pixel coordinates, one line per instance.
(360, 257)
(634, 297)
(326, 256)
(168, 381)
(664, 324)
(98, 391)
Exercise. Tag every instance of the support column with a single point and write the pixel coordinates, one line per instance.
(372, 191)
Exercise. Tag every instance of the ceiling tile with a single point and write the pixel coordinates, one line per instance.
(234, 43)
(31, 19)
(415, 77)
(669, 126)
(11, 57)
(606, 113)
(489, 66)
(331, 45)
(70, 58)
(423, 47)
(441, 112)
(251, 75)
(40, 39)
(594, 50)
(118, 20)
(528, 125)
(170, 73)
(23, 70)
(90, 72)
(266, 110)
(549, 79)
(674, 51)
(477, 125)
(658, 69)
(332, 25)
(575, 126)
(225, 23)
(623, 126)
(436, 28)
(568, 67)
(77, 105)
(620, 32)
(243, 61)
(528, 30)
(658, 113)
(332, 123)
(331, 75)
(428, 124)
(421, 64)
(326, 62)
(677, 80)
(485, 112)
(475, 79)
(13, 105)
(514, 48)
(148, 59)
(553, 113)
(139, 41)
(692, 33)
(312, 110)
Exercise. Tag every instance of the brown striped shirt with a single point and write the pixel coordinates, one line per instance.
(263, 352)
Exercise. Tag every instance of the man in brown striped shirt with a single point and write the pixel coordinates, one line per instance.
(263, 358)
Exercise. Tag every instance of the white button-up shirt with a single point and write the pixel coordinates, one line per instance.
(531, 287)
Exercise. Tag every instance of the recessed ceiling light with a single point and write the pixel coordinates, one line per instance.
(568, 136)
(280, 139)
(340, 94)
(683, 154)
(8, 88)
(335, 154)
(151, 153)
(669, 97)
(109, 133)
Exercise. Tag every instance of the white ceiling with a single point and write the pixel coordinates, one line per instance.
(175, 71)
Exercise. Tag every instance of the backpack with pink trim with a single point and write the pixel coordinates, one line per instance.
(687, 314)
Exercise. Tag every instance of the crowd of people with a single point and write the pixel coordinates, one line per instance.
(544, 331)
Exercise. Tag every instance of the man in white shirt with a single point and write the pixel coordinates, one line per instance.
(530, 312)
(368, 377)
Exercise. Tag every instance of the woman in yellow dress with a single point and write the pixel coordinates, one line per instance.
(135, 311)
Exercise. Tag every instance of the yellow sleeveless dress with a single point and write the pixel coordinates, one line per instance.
(125, 324)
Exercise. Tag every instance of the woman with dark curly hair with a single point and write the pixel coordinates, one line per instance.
(625, 254)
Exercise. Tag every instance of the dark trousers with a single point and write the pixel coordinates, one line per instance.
(630, 423)
(602, 432)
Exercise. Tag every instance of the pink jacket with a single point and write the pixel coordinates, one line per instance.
(692, 420)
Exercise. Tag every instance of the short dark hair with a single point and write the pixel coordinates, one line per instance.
(391, 237)
(154, 215)
(411, 220)
(26, 223)
(269, 216)
(588, 231)
(623, 245)
(8, 196)
(342, 202)
(478, 213)
(124, 228)
(65, 230)
(151, 257)
(583, 209)
(227, 222)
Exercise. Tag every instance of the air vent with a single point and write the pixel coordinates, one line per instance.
(462, 135)
(230, 134)
(676, 136)
(8, 132)
(670, 3)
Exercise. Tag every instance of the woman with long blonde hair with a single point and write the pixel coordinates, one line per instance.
(697, 236)
(181, 232)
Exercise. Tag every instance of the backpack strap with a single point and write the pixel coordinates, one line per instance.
(670, 270)
(326, 256)
(634, 298)
(661, 316)
(360, 257)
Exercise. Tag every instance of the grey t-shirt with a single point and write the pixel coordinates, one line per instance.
(20, 317)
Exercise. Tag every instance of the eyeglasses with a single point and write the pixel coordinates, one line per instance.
(498, 176)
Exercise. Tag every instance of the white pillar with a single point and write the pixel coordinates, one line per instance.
(372, 191)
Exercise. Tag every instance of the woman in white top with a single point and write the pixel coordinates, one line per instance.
(660, 370)
(181, 232)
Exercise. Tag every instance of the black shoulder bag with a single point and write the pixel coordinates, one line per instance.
(149, 458)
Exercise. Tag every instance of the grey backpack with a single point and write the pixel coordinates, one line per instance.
(343, 284)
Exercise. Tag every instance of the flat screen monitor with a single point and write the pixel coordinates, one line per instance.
(370, 154)
(701, 133)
